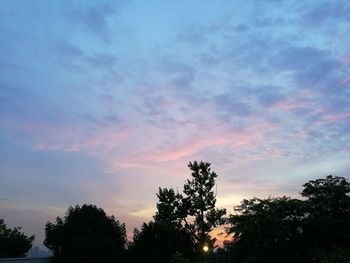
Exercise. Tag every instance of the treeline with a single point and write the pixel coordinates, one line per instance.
(313, 229)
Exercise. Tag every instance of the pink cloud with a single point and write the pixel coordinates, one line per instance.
(291, 106)
(196, 143)
(47, 137)
(305, 99)
(328, 118)
(344, 81)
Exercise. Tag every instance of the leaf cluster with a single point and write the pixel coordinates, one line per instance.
(86, 234)
(13, 243)
(195, 208)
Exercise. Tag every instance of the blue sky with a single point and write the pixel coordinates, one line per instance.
(104, 101)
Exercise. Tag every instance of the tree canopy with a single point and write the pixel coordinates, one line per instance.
(327, 226)
(86, 234)
(199, 201)
(169, 207)
(182, 222)
(158, 242)
(13, 243)
(316, 229)
(195, 208)
(328, 196)
(268, 229)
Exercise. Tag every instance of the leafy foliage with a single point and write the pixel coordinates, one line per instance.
(13, 243)
(328, 197)
(268, 229)
(182, 222)
(195, 208)
(158, 242)
(327, 228)
(199, 201)
(169, 207)
(86, 234)
(290, 230)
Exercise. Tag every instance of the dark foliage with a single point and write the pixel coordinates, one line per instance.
(328, 197)
(86, 234)
(199, 201)
(327, 227)
(13, 243)
(268, 229)
(272, 230)
(158, 242)
(290, 230)
(194, 209)
(182, 222)
(169, 207)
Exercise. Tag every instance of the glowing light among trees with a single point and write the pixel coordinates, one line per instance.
(205, 248)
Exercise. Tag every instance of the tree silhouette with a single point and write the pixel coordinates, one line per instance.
(173, 235)
(13, 243)
(282, 229)
(195, 208)
(268, 230)
(158, 242)
(327, 228)
(199, 201)
(169, 210)
(328, 196)
(86, 234)
(161, 240)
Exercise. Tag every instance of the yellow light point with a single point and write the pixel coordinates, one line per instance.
(205, 248)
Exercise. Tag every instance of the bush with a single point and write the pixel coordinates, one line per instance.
(86, 234)
(13, 243)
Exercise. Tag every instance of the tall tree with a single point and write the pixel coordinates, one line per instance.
(199, 202)
(163, 239)
(13, 243)
(195, 207)
(86, 234)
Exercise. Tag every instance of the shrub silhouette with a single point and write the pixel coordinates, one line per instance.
(86, 234)
(13, 243)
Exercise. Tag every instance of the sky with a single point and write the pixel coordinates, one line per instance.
(103, 102)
